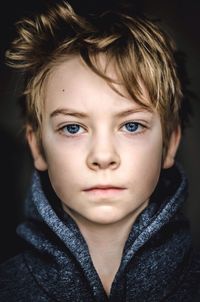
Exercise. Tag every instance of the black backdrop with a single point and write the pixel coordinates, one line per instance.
(181, 18)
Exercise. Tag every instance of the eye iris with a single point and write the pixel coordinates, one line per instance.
(73, 128)
(131, 127)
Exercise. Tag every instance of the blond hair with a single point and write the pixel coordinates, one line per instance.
(140, 50)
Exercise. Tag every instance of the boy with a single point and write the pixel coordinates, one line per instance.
(103, 116)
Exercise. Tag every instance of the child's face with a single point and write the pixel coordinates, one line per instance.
(107, 146)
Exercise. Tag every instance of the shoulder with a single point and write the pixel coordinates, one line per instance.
(13, 269)
(194, 272)
(17, 282)
(189, 287)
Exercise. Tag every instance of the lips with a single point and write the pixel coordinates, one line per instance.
(105, 191)
(103, 187)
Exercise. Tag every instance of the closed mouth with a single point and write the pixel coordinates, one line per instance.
(104, 187)
(105, 192)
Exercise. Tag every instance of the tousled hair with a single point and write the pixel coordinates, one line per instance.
(139, 49)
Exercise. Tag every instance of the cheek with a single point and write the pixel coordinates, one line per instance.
(142, 162)
(64, 162)
(60, 153)
(144, 149)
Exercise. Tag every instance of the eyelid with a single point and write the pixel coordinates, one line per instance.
(64, 124)
(143, 123)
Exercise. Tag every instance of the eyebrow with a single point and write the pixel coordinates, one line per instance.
(79, 114)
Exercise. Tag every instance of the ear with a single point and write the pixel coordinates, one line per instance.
(39, 161)
(172, 148)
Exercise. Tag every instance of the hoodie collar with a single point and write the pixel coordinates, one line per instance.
(43, 207)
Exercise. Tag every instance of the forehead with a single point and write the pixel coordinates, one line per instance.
(74, 84)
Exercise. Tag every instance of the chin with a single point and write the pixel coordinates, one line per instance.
(105, 216)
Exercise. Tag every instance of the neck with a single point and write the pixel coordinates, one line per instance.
(106, 243)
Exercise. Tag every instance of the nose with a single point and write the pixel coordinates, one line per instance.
(103, 155)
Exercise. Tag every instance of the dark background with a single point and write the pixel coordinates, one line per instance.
(180, 18)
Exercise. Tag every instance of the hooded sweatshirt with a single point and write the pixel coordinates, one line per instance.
(158, 261)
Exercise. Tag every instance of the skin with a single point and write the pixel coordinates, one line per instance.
(105, 148)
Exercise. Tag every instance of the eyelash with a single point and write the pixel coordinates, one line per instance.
(136, 132)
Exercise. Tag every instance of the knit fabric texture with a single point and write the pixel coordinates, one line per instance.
(158, 262)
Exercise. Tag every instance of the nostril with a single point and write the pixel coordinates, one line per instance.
(103, 160)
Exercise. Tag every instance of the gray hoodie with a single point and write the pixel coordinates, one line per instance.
(158, 262)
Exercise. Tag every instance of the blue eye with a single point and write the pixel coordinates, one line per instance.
(71, 129)
(132, 126)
